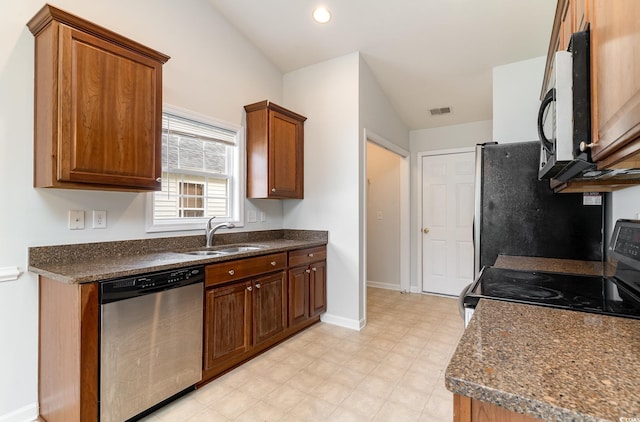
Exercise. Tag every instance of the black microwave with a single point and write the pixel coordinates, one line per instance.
(564, 117)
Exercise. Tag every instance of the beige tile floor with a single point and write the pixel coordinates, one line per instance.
(392, 370)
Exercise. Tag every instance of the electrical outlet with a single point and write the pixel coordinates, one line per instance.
(76, 219)
(263, 216)
(99, 219)
(251, 217)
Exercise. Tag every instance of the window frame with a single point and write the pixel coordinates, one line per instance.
(237, 180)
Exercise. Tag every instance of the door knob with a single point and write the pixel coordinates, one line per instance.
(425, 230)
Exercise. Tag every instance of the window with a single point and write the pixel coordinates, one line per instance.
(201, 175)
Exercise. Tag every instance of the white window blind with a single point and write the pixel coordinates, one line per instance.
(199, 172)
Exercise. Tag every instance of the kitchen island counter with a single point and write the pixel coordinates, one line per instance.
(549, 363)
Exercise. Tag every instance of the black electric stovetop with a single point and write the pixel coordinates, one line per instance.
(603, 295)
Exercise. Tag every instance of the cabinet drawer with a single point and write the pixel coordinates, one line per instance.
(305, 256)
(243, 268)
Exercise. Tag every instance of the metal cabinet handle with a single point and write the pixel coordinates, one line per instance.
(307, 271)
(249, 288)
(231, 272)
(257, 285)
(158, 179)
(273, 189)
(273, 263)
(314, 269)
(310, 255)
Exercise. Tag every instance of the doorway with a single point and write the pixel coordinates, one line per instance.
(387, 244)
(447, 209)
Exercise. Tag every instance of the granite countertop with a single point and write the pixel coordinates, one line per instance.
(528, 263)
(549, 363)
(91, 262)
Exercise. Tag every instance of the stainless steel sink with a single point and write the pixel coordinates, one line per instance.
(206, 253)
(223, 251)
(239, 249)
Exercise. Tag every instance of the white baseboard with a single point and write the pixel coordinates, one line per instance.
(380, 285)
(353, 324)
(27, 413)
(415, 289)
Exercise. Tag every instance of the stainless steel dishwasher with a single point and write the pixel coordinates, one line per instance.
(150, 341)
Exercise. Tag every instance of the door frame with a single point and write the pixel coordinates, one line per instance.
(419, 193)
(405, 209)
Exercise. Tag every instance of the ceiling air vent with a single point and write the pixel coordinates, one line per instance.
(439, 111)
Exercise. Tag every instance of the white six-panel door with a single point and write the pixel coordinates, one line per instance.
(447, 222)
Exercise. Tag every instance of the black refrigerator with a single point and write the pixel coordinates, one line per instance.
(517, 214)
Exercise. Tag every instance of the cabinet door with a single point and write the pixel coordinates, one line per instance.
(615, 72)
(227, 323)
(269, 306)
(298, 295)
(318, 288)
(110, 113)
(285, 155)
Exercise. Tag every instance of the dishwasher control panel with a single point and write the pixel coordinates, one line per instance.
(124, 288)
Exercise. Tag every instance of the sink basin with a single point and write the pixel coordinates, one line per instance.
(223, 251)
(206, 253)
(239, 249)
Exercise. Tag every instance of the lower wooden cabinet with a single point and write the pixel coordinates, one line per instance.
(307, 284)
(241, 316)
(466, 409)
(251, 304)
(227, 328)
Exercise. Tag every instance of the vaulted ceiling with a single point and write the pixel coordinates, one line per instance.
(424, 53)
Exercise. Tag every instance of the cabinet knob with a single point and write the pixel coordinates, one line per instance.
(249, 288)
(307, 271)
(158, 179)
(310, 255)
(273, 189)
(314, 269)
(273, 263)
(231, 272)
(257, 285)
(584, 146)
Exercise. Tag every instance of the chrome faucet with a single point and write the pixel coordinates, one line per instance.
(209, 232)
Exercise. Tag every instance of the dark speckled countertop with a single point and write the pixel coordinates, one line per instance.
(90, 262)
(549, 363)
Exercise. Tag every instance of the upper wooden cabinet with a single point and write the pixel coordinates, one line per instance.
(275, 152)
(615, 69)
(571, 16)
(98, 106)
(615, 85)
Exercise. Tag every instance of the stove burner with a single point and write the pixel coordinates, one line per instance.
(524, 291)
(526, 276)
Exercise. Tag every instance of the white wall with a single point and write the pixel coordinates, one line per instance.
(383, 217)
(327, 93)
(195, 36)
(516, 99)
(377, 116)
(341, 99)
(625, 203)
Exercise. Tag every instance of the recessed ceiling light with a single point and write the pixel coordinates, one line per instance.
(321, 15)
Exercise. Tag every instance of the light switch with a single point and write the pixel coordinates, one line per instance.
(251, 217)
(263, 216)
(379, 215)
(76, 219)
